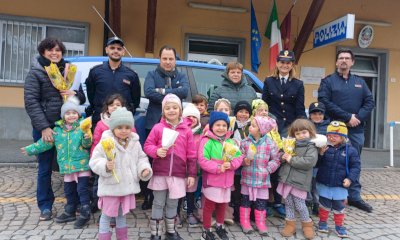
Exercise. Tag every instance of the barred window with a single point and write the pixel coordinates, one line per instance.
(19, 38)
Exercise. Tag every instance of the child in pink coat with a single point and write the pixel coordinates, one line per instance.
(218, 166)
(174, 168)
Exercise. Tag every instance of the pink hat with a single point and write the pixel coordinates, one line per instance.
(171, 98)
(265, 124)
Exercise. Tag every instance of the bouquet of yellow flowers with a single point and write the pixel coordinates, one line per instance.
(109, 148)
(86, 124)
(289, 145)
(61, 82)
(229, 151)
(251, 153)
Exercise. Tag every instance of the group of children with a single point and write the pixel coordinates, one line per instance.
(232, 158)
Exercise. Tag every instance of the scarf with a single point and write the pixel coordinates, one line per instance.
(44, 62)
(105, 117)
(167, 75)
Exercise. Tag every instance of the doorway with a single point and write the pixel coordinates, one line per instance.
(372, 66)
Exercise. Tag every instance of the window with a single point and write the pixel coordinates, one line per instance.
(20, 37)
(207, 79)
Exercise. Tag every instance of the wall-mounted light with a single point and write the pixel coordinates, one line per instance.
(374, 23)
(217, 7)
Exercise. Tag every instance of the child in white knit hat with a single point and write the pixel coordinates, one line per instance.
(72, 147)
(119, 172)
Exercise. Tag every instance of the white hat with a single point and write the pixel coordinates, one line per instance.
(191, 110)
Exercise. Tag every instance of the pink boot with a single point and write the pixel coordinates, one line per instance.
(261, 217)
(122, 233)
(105, 236)
(245, 220)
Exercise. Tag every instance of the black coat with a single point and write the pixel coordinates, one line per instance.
(286, 103)
(42, 100)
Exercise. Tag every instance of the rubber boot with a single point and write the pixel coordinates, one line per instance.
(308, 229)
(245, 220)
(122, 233)
(171, 234)
(105, 236)
(289, 229)
(260, 217)
(156, 226)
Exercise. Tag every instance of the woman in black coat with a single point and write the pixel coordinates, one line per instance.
(284, 93)
(43, 104)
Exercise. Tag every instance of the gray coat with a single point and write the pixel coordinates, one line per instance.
(233, 92)
(298, 173)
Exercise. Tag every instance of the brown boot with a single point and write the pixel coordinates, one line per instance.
(308, 229)
(289, 229)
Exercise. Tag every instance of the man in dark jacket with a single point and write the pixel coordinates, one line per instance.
(347, 98)
(112, 77)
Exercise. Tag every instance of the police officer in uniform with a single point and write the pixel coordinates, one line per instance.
(112, 77)
(284, 93)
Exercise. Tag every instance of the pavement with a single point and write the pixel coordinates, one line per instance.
(19, 213)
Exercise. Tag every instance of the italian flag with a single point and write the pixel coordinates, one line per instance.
(274, 35)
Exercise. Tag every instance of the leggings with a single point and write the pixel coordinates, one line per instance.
(160, 201)
(294, 203)
(259, 204)
(104, 224)
(208, 210)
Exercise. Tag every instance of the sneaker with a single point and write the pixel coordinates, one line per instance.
(207, 235)
(222, 233)
(341, 232)
(65, 217)
(280, 210)
(361, 205)
(184, 205)
(46, 215)
(192, 220)
(323, 227)
(270, 212)
(197, 203)
(229, 221)
(178, 222)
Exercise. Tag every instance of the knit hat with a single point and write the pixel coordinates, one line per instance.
(257, 103)
(171, 98)
(216, 116)
(242, 105)
(265, 124)
(191, 110)
(119, 117)
(336, 127)
(72, 103)
(316, 107)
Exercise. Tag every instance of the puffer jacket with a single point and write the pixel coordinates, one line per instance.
(129, 164)
(233, 92)
(181, 157)
(298, 173)
(265, 162)
(210, 160)
(332, 166)
(72, 148)
(42, 100)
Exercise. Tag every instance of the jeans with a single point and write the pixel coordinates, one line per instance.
(74, 190)
(44, 191)
(357, 141)
(337, 206)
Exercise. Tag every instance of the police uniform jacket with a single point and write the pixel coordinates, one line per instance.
(342, 98)
(103, 81)
(285, 102)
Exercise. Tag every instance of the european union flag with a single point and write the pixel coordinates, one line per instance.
(255, 41)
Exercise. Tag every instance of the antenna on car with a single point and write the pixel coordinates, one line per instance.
(109, 28)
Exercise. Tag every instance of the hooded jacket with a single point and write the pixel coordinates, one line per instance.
(233, 92)
(129, 164)
(332, 167)
(265, 162)
(298, 173)
(210, 160)
(42, 100)
(72, 148)
(181, 157)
